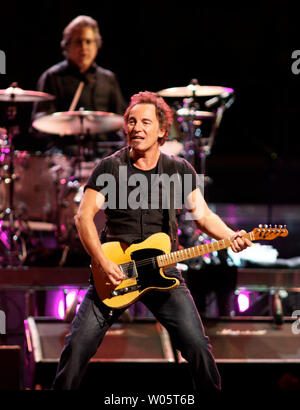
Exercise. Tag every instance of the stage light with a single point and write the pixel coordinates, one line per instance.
(61, 308)
(243, 301)
(62, 300)
(70, 297)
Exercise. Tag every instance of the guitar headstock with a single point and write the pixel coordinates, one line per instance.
(268, 232)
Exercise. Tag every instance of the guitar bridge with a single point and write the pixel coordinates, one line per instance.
(129, 270)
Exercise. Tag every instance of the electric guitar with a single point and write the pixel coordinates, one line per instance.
(143, 264)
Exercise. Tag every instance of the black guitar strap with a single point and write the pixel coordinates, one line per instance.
(169, 166)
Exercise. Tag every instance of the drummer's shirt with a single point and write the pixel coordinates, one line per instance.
(101, 91)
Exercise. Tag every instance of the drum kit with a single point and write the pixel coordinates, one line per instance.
(195, 129)
(35, 189)
(42, 192)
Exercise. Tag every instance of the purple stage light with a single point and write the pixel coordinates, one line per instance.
(243, 301)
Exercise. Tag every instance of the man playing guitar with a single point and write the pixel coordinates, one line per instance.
(131, 221)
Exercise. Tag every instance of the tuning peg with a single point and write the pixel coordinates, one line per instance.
(280, 226)
(275, 226)
(260, 226)
(284, 226)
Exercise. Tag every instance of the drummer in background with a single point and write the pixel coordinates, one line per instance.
(101, 91)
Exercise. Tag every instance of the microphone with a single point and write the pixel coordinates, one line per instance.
(215, 100)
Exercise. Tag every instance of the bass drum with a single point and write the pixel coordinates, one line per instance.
(70, 193)
(34, 187)
(172, 147)
(174, 144)
(70, 196)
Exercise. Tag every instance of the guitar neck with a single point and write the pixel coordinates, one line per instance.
(169, 259)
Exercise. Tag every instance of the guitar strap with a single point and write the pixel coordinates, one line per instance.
(169, 165)
(118, 159)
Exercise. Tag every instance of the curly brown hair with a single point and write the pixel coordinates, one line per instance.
(163, 112)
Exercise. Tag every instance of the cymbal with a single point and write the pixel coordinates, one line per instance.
(78, 122)
(197, 90)
(16, 94)
(190, 112)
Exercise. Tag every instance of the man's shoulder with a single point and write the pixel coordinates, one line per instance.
(174, 160)
(115, 158)
(104, 72)
(57, 68)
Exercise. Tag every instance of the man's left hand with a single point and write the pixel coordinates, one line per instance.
(239, 242)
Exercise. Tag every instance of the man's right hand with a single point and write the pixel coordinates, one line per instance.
(110, 271)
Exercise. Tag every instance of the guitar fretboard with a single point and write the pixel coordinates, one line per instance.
(195, 251)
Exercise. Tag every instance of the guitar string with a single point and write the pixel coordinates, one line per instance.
(145, 262)
(201, 247)
(201, 251)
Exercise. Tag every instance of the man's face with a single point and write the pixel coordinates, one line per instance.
(143, 129)
(82, 49)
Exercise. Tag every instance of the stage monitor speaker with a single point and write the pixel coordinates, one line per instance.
(10, 374)
(127, 347)
(254, 339)
(140, 340)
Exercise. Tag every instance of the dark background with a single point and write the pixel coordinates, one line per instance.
(156, 45)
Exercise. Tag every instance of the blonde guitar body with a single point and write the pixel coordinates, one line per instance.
(141, 273)
(142, 264)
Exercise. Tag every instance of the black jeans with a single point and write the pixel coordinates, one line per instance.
(174, 309)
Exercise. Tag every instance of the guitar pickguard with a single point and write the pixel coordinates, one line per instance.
(148, 273)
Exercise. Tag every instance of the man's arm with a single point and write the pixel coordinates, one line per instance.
(211, 224)
(91, 203)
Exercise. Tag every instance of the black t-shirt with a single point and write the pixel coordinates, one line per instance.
(138, 202)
